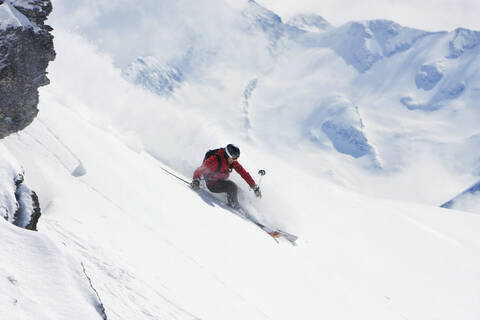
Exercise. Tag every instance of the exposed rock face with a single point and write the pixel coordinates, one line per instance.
(19, 204)
(428, 76)
(26, 48)
(468, 200)
(28, 207)
(150, 73)
(339, 120)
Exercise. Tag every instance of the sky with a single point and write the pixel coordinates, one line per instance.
(430, 15)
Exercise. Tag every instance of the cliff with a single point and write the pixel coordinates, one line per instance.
(26, 48)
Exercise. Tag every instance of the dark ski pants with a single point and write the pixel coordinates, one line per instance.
(227, 186)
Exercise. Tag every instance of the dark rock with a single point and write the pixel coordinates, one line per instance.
(36, 213)
(24, 56)
(28, 207)
(428, 77)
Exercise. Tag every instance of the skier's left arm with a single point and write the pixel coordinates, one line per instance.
(248, 178)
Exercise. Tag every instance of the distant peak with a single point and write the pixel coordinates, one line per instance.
(310, 22)
(261, 13)
(363, 43)
(463, 39)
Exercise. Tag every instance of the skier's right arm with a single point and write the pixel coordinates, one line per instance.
(210, 165)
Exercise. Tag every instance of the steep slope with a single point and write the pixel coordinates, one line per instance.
(39, 280)
(155, 249)
(132, 225)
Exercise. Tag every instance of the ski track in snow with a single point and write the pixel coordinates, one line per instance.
(434, 232)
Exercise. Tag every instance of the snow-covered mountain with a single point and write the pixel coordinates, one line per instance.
(310, 22)
(390, 97)
(466, 200)
(341, 118)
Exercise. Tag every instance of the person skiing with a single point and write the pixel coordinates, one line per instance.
(216, 168)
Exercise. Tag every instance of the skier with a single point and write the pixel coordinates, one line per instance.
(216, 168)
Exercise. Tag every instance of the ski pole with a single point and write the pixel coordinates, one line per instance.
(261, 172)
(187, 182)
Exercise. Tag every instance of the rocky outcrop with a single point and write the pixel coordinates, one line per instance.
(148, 72)
(463, 39)
(338, 119)
(26, 48)
(428, 76)
(28, 207)
(19, 204)
(468, 200)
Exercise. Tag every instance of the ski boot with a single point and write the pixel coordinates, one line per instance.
(232, 203)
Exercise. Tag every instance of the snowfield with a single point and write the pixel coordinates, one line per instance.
(360, 151)
(155, 249)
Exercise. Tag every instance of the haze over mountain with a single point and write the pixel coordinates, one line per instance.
(375, 102)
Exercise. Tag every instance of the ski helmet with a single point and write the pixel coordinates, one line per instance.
(232, 151)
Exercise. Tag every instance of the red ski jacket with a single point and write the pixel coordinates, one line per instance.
(209, 170)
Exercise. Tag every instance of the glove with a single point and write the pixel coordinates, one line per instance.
(195, 184)
(257, 191)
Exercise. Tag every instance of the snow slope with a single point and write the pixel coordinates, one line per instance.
(153, 249)
(40, 280)
(119, 232)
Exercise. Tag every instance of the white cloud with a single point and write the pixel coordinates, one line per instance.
(127, 29)
(432, 15)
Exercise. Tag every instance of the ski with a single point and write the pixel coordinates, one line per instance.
(275, 233)
(243, 214)
(272, 232)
